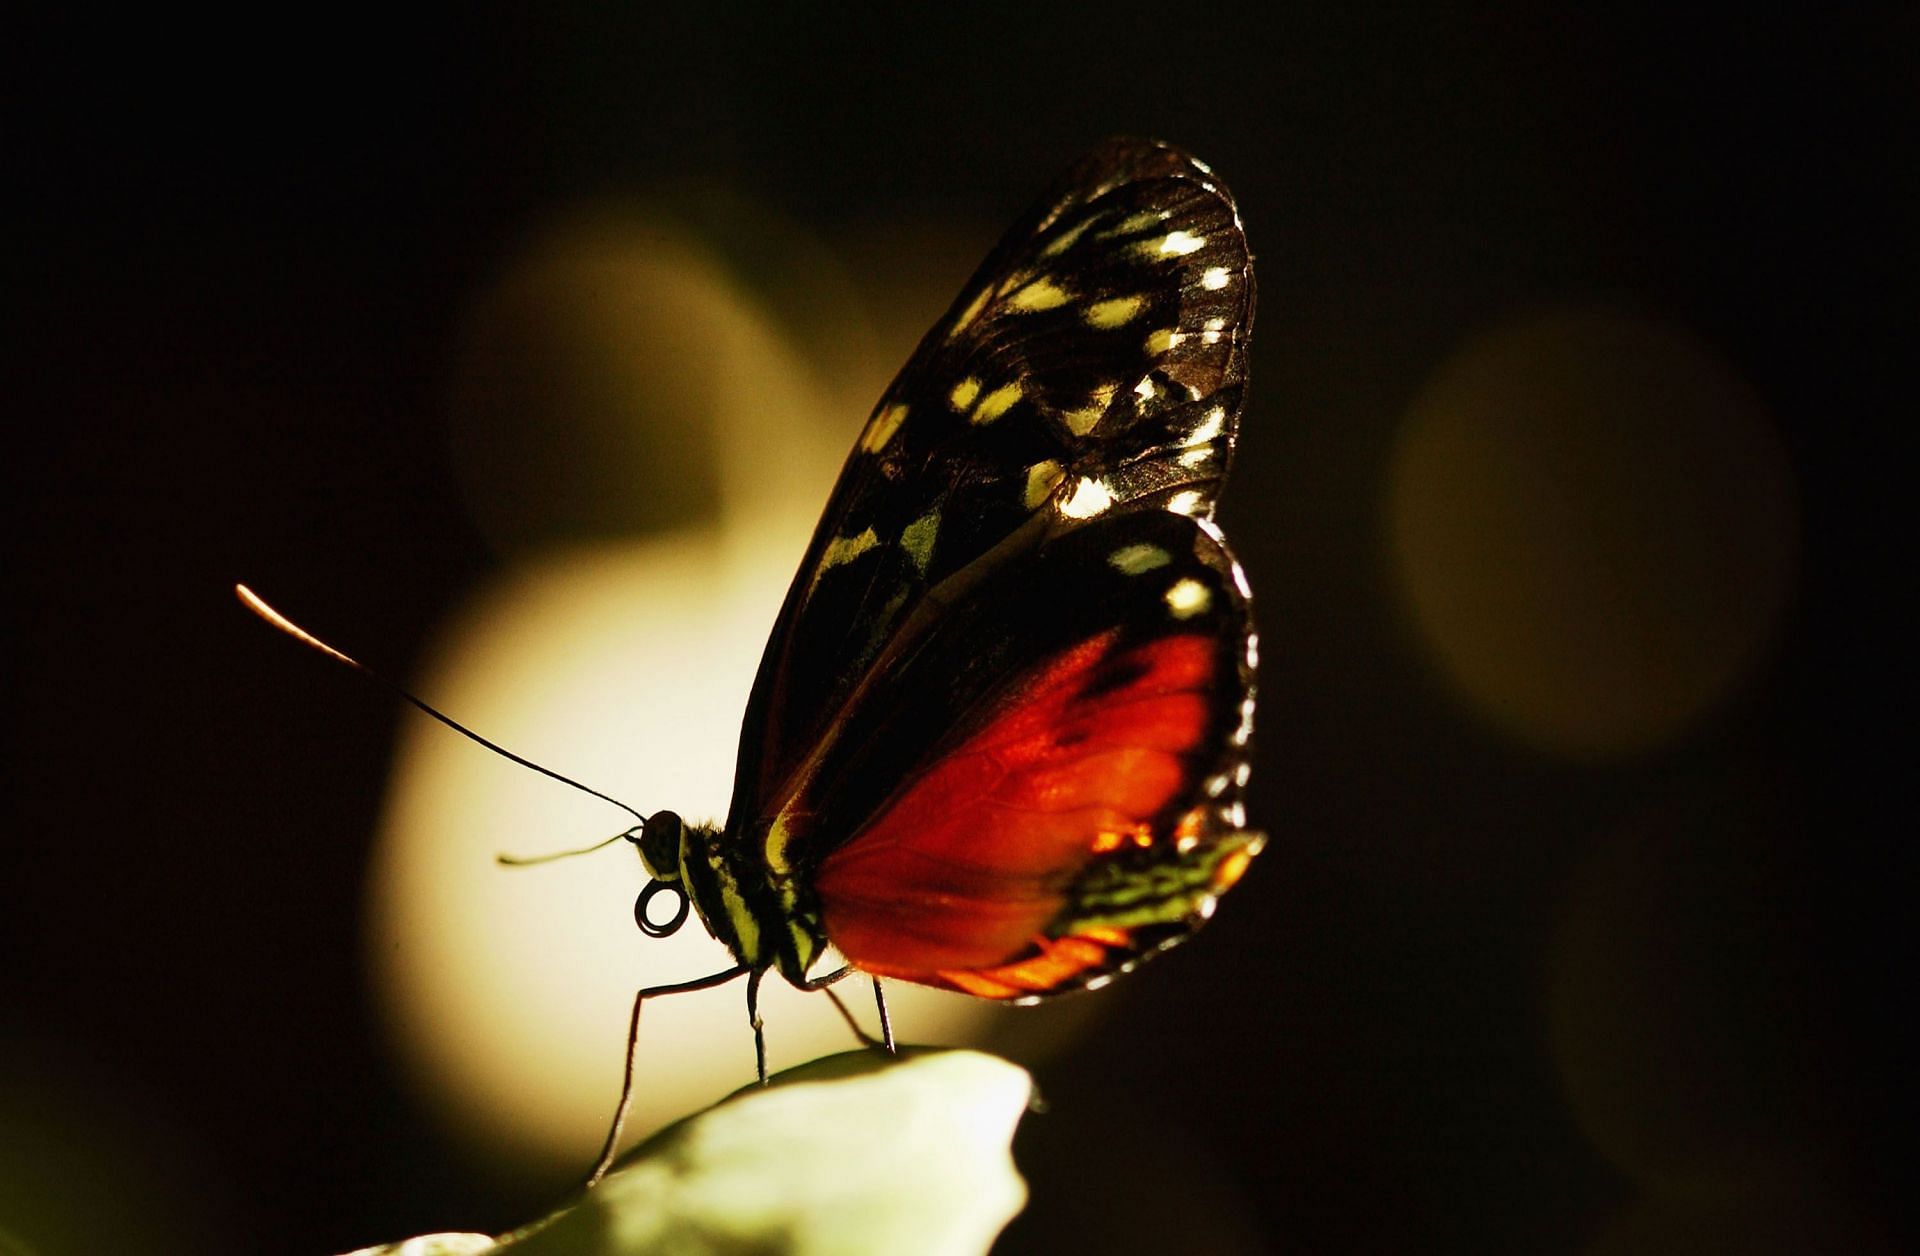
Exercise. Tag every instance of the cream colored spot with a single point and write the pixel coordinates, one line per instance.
(1114, 312)
(1088, 499)
(963, 393)
(917, 539)
(1209, 429)
(995, 403)
(1185, 503)
(1041, 294)
(1041, 477)
(1188, 597)
(1134, 560)
(1133, 223)
(1181, 243)
(1082, 421)
(882, 428)
(844, 549)
(1066, 239)
(1195, 456)
(970, 313)
(1161, 341)
(1146, 390)
(1214, 327)
(1215, 278)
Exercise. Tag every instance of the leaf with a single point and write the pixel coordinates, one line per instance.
(853, 1154)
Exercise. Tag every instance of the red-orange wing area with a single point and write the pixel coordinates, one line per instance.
(1085, 811)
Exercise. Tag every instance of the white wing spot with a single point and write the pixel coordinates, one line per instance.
(844, 549)
(1088, 499)
(1215, 278)
(881, 430)
(1145, 389)
(1209, 428)
(972, 312)
(1041, 478)
(1161, 341)
(1188, 597)
(1135, 560)
(1114, 312)
(1173, 244)
(1185, 503)
(1082, 421)
(1041, 294)
(917, 539)
(995, 404)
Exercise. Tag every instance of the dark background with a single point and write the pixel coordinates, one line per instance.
(234, 260)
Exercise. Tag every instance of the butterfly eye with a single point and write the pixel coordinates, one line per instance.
(659, 844)
(643, 913)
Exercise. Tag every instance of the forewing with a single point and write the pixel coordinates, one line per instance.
(1094, 365)
(1048, 788)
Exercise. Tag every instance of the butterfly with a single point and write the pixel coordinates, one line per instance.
(998, 740)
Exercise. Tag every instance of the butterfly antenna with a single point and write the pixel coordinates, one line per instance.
(253, 602)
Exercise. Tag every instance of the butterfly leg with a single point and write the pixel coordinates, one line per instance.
(612, 1144)
(886, 1022)
(759, 1029)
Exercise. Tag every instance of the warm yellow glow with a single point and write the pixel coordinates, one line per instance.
(1214, 279)
(1041, 478)
(963, 393)
(1180, 243)
(881, 430)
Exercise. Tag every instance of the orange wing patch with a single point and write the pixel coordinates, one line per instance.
(956, 880)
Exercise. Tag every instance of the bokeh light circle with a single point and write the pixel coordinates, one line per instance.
(1593, 525)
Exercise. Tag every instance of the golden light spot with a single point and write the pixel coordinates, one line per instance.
(1133, 560)
(1188, 597)
(1041, 477)
(881, 430)
(970, 313)
(1215, 326)
(1209, 428)
(1187, 502)
(844, 549)
(1041, 294)
(1114, 312)
(1105, 841)
(1196, 456)
(1088, 499)
(1214, 279)
(1082, 421)
(995, 403)
(1146, 389)
(963, 393)
(1143, 839)
(1594, 527)
(917, 539)
(1065, 240)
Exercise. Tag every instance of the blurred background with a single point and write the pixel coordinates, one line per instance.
(516, 353)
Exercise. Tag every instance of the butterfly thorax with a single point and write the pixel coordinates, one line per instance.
(758, 916)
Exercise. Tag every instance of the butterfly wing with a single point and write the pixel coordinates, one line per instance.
(1094, 365)
(1048, 786)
